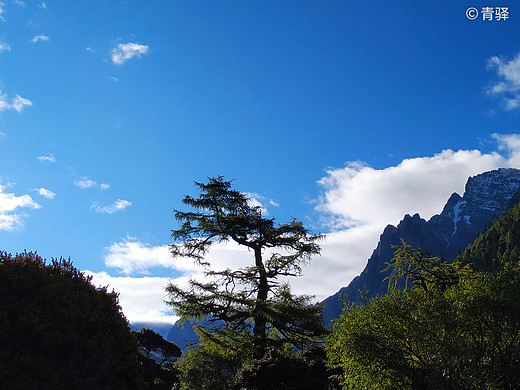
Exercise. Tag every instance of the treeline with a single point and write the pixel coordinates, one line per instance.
(442, 325)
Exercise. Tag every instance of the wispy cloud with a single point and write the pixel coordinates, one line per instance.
(11, 218)
(508, 88)
(50, 158)
(43, 5)
(2, 11)
(118, 205)
(257, 200)
(18, 103)
(125, 51)
(105, 186)
(39, 38)
(19, 3)
(46, 193)
(84, 183)
(4, 46)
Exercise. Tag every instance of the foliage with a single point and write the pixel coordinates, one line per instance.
(499, 245)
(59, 331)
(207, 366)
(464, 334)
(157, 359)
(151, 342)
(249, 306)
(426, 272)
(284, 370)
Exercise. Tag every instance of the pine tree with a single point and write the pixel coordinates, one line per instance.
(247, 306)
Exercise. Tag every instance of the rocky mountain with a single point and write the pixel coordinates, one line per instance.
(487, 196)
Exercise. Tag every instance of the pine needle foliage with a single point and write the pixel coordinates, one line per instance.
(249, 306)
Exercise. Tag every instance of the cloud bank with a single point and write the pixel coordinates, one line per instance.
(356, 203)
(142, 299)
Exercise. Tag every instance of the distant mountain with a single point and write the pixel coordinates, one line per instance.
(487, 196)
(182, 335)
(161, 328)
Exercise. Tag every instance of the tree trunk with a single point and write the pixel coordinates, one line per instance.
(259, 330)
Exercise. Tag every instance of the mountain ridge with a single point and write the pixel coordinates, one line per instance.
(487, 196)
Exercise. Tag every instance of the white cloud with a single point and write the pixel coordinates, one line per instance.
(131, 256)
(10, 202)
(2, 11)
(118, 205)
(4, 46)
(39, 38)
(46, 193)
(142, 299)
(84, 183)
(255, 201)
(43, 5)
(105, 186)
(11, 218)
(509, 87)
(19, 3)
(358, 194)
(50, 158)
(125, 51)
(358, 202)
(18, 103)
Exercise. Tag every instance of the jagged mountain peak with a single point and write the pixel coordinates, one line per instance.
(487, 196)
(492, 190)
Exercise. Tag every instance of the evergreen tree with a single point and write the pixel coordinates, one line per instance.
(157, 358)
(247, 307)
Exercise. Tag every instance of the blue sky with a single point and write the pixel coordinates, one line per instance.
(345, 115)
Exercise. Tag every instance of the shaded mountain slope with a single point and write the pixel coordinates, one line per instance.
(487, 196)
(497, 245)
